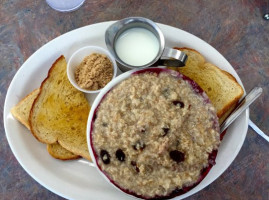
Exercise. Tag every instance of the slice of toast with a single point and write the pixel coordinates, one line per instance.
(21, 112)
(57, 151)
(60, 112)
(221, 87)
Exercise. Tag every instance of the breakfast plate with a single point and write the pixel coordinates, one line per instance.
(78, 179)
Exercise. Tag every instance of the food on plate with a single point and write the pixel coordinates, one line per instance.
(155, 134)
(57, 151)
(94, 72)
(21, 112)
(221, 87)
(60, 112)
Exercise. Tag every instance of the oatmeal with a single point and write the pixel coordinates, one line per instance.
(153, 134)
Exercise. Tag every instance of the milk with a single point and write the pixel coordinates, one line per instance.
(137, 46)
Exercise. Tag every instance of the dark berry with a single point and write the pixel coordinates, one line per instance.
(133, 163)
(178, 103)
(105, 156)
(177, 156)
(165, 131)
(143, 130)
(104, 124)
(120, 155)
(139, 145)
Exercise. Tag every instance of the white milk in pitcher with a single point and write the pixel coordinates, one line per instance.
(137, 46)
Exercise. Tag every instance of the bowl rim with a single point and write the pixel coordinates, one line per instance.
(90, 48)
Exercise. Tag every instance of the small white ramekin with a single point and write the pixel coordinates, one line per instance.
(78, 56)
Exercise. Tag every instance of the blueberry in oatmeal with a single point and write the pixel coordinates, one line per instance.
(162, 143)
(178, 103)
(165, 131)
(105, 156)
(120, 155)
(177, 156)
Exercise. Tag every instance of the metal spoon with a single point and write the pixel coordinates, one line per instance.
(243, 105)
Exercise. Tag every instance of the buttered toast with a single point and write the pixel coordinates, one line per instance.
(57, 151)
(22, 109)
(21, 112)
(221, 87)
(60, 112)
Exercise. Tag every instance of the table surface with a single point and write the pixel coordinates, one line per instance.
(235, 28)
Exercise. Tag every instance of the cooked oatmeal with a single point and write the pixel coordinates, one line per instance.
(153, 134)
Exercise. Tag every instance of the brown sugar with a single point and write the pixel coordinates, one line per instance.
(94, 72)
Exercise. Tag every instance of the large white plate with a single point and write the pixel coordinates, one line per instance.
(76, 179)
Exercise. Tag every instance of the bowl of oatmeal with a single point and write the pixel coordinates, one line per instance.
(153, 133)
(91, 68)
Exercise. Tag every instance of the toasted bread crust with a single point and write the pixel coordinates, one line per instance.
(234, 101)
(21, 112)
(36, 99)
(25, 104)
(188, 49)
(59, 113)
(58, 152)
(197, 69)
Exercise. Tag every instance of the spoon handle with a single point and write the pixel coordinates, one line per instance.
(243, 105)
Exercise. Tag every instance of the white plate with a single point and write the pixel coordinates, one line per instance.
(76, 179)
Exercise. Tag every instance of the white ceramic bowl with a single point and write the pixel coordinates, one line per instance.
(78, 57)
(103, 93)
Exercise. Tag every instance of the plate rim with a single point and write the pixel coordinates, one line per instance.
(106, 23)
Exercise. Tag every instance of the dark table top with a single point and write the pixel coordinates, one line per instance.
(235, 28)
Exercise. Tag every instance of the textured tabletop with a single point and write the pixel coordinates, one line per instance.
(235, 28)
